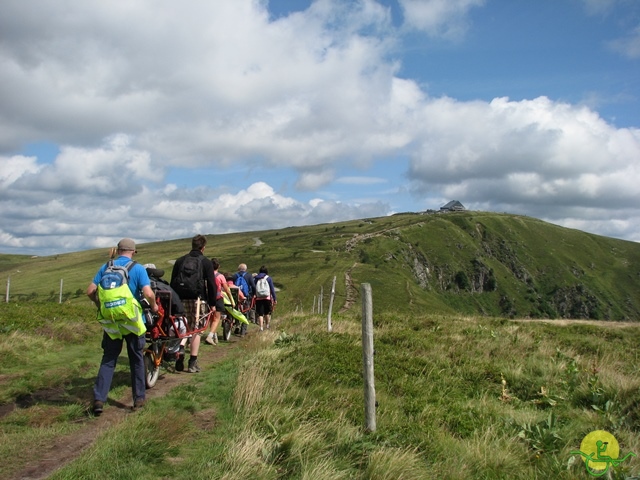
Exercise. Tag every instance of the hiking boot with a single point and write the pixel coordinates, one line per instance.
(193, 367)
(139, 403)
(98, 407)
(180, 363)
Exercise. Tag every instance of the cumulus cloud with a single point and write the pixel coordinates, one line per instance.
(539, 157)
(91, 198)
(134, 91)
(445, 18)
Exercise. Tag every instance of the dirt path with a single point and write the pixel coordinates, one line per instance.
(43, 462)
(350, 289)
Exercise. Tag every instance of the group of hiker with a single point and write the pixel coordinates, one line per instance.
(196, 287)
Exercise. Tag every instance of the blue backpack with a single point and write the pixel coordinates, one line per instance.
(240, 282)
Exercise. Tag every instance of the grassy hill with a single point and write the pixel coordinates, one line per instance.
(466, 263)
(461, 394)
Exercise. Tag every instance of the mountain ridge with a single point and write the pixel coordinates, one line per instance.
(468, 263)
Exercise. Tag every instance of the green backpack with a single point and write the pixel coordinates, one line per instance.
(116, 300)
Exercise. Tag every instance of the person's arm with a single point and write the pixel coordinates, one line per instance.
(175, 270)
(150, 297)
(212, 288)
(142, 284)
(92, 291)
(273, 290)
(226, 288)
(252, 284)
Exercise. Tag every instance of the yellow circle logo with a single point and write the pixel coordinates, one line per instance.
(601, 447)
(600, 450)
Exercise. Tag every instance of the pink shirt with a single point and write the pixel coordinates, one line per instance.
(220, 283)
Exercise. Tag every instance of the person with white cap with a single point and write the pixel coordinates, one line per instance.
(116, 331)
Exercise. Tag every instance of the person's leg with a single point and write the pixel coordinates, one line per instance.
(135, 349)
(212, 338)
(195, 341)
(260, 313)
(110, 351)
(267, 315)
(252, 314)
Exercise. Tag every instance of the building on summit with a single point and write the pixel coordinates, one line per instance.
(453, 206)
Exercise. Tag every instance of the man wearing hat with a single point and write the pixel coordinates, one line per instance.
(131, 330)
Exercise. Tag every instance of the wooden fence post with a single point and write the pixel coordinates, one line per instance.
(333, 293)
(8, 287)
(60, 297)
(367, 358)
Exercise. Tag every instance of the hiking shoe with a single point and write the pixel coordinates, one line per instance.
(180, 363)
(139, 403)
(98, 407)
(193, 367)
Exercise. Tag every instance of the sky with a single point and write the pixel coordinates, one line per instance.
(157, 119)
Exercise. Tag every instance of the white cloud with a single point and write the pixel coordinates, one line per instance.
(554, 161)
(446, 18)
(360, 180)
(629, 46)
(12, 168)
(133, 91)
(314, 180)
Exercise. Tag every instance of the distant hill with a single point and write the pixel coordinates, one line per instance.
(459, 262)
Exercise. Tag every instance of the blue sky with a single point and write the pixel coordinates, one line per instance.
(157, 119)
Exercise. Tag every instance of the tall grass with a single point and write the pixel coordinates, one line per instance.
(458, 398)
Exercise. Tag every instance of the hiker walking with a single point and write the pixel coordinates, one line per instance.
(192, 278)
(116, 290)
(265, 298)
(221, 286)
(244, 281)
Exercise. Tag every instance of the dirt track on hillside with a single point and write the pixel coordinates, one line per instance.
(43, 462)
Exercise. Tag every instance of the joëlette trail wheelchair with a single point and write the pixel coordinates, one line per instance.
(165, 333)
(235, 319)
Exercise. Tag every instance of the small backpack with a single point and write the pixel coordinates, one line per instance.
(241, 283)
(114, 294)
(262, 288)
(189, 282)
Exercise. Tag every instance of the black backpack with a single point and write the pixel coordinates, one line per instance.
(189, 282)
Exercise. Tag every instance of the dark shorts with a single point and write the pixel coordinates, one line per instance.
(220, 305)
(263, 307)
(190, 313)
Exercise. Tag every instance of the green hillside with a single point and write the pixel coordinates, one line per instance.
(465, 263)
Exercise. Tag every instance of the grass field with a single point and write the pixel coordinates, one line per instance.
(459, 397)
